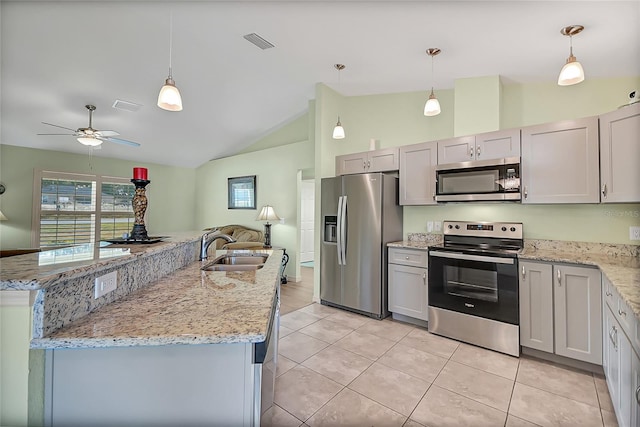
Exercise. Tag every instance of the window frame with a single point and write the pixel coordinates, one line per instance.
(40, 174)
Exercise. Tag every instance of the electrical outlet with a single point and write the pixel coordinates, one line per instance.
(429, 226)
(105, 284)
(634, 233)
(437, 225)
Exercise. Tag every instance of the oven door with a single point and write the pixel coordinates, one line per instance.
(480, 285)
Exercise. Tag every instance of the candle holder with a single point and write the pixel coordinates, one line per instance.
(139, 203)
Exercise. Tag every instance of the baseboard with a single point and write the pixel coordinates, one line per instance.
(562, 360)
(408, 319)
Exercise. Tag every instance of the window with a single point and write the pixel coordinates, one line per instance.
(71, 209)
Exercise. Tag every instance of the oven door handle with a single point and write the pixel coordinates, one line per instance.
(467, 257)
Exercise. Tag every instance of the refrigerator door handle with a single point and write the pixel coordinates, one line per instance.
(339, 234)
(343, 230)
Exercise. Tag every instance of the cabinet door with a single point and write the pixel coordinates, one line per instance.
(578, 313)
(536, 306)
(619, 154)
(418, 174)
(612, 356)
(560, 162)
(635, 390)
(408, 291)
(386, 159)
(498, 145)
(626, 393)
(351, 163)
(457, 150)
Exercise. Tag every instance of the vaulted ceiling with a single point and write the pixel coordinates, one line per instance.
(59, 56)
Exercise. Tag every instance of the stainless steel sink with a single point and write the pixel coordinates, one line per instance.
(237, 262)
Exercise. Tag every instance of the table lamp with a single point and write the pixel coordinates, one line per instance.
(267, 214)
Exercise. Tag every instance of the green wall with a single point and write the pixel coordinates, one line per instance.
(276, 171)
(295, 130)
(171, 193)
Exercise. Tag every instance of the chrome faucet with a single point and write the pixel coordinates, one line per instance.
(208, 238)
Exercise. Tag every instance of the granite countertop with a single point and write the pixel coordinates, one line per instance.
(41, 270)
(188, 306)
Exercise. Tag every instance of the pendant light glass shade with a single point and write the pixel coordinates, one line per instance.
(169, 97)
(2, 217)
(90, 141)
(572, 72)
(432, 106)
(338, 131)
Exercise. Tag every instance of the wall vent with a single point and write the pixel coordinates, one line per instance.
(126, 105)
(258, 41)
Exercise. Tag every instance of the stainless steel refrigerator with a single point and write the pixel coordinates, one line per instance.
(360, 215)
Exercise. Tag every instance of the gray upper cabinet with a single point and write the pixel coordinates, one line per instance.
(619, 155)
(418, 174)
(484, 146)
(382, 160)
(560, 162)
(561, 310)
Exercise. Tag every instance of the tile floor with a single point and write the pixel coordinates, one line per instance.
(337, 368)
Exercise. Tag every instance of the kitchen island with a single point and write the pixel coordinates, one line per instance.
(188, 348)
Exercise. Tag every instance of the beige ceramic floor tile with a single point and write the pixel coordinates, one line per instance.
(412, 423)
(443, 408)
(367, 345)
(299, 347)
(487, 360)
(567, 382)
(326, 330)
(609, 418)
(348, 319)
(281, 418)
(388, 329)
(518, 422)
(419, 364)
(422, 339)
(297, 320)
(483, 387)
(337, 364)
(319, 310)
(283, 365)
(604, 398)
(390, 387)
(301, 391)
(548, 409)
(349, 408)
(283, 331)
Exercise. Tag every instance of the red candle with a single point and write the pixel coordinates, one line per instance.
(140, 173)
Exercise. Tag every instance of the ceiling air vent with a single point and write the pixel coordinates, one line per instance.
(258, 41)
(126, 106)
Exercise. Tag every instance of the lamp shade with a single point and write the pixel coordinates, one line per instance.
(2, 217)
(267, 214)
(90, 141)
(169, 97)
(572, 73)
(432, 106)
(338, 131)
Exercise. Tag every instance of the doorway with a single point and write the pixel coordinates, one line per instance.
(307, 204)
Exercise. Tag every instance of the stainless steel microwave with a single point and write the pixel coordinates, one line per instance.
(484, 180)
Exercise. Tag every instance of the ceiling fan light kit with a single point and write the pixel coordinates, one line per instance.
(572, 72)
(338, 131)
(432, 106)
(169, 97)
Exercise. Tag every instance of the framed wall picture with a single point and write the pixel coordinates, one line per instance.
(242, 192)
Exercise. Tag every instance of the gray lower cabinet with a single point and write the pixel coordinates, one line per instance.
(635, 389)
(408, 282)
(561, 310)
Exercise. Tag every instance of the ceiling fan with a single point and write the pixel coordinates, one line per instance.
(90, 136)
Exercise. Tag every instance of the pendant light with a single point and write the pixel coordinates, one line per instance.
(432, 106)
(572, 72)
(169, 98)
(338, 131)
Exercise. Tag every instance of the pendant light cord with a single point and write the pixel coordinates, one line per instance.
(431, 73)
(170, 42)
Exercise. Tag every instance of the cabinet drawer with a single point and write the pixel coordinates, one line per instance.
(412, 257)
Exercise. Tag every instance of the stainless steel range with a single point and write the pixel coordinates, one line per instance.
(473, 284)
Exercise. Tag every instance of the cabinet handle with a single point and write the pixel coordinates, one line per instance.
(368, 163)
(434, 196)
(478, 152)
(638, 395)
(604, 190)
(622, 312)
(559, 274)
(524, 272)
(607, 293)
(613, 332)
(526, 193)
(471, 152)
(406, 257)
(364, 165)
(424, 278)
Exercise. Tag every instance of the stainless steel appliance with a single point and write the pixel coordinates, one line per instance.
(484, 180)
(360, 215)
(473, 284)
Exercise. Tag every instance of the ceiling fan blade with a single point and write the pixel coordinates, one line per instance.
(65, 134)
(62, 127)
(120, 141)
(106, 133)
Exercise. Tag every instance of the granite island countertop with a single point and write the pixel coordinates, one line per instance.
(188, 306)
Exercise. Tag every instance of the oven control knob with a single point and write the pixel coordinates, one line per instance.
(457, 227)
(450, 226)
(513, 229)
(504, 228)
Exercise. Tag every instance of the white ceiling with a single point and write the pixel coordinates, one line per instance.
(59, 56)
